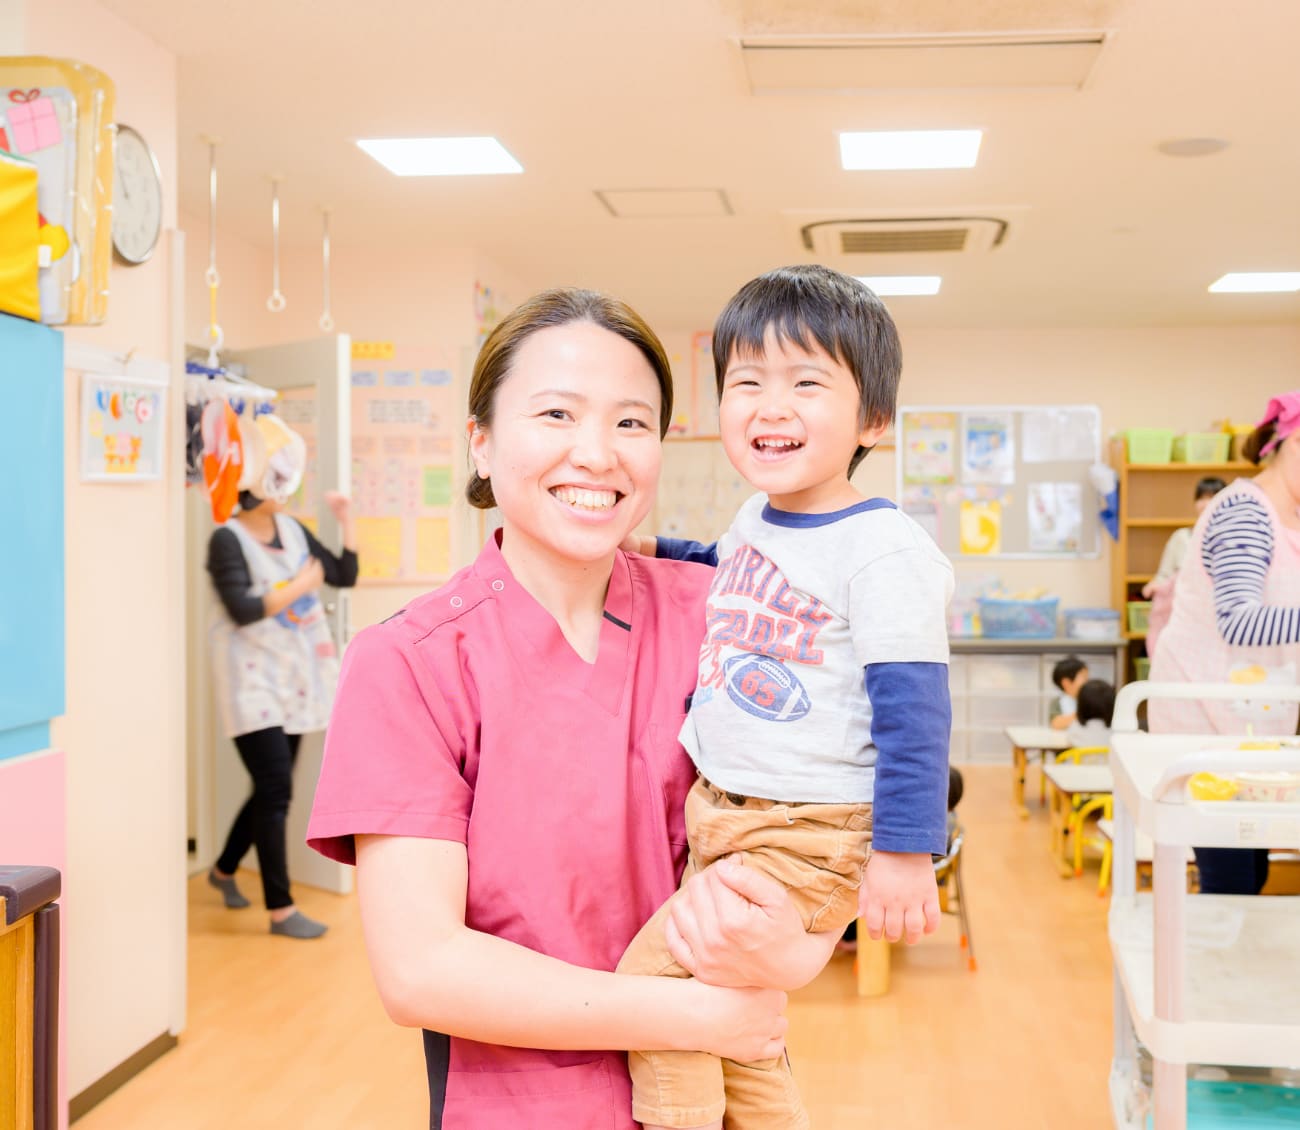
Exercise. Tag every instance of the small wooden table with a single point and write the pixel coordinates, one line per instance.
(1024, 740)
(1071, 786)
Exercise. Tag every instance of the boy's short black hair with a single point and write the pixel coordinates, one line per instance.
(835, 310)
(1096, 700)
(1209, 486)
(956, 786)
(1067, 668)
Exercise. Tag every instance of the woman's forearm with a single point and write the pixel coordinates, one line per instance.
(483, 988)
(277, 600)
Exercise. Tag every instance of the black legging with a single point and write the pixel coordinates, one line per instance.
(269, 757)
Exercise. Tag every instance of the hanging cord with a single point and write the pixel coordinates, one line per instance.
(276, 302)
(326, 318)
(216, 338)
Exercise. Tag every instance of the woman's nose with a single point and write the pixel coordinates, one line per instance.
(594, 449)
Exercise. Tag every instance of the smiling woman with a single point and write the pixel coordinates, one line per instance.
(502, 764)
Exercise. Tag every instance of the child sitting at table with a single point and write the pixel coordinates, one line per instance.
(1069, 675)
(1096, 707)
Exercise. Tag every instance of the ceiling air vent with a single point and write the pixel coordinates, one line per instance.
(834, 239)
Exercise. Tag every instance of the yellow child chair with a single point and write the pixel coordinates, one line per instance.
(1063, 814)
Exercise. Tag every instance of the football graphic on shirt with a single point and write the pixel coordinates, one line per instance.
(765, 688)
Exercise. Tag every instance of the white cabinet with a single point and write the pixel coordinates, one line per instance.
(999, 683)
(1201, 979)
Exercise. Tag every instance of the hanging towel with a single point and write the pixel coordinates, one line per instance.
(223, 458)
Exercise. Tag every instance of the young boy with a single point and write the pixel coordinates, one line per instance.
(820, 720)
(1096, 708)
(1069, 675)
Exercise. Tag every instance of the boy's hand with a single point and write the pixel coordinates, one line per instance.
(899, 896)
(644, 544)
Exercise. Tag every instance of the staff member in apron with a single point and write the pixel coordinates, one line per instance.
(1236, 617)
(274, 661)
(503, 766)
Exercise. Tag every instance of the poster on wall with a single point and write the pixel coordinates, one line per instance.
(122, 429)
(930, 451)
(1060, 435)
(989, 448)
(1055, 517)
(402, 481)
(980, 522)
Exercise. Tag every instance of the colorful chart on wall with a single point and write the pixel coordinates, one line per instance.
(123, 424)
(403, 429)
(1002, 480)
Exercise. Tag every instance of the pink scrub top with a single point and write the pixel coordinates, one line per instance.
(468, 717)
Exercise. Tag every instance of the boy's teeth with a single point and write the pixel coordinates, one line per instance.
(587, 499)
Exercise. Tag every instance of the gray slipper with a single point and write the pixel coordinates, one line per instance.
(298, 925)
(230, 892)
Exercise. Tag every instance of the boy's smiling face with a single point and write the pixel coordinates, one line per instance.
(789, 419)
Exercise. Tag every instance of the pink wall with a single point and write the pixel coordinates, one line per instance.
(33, 833)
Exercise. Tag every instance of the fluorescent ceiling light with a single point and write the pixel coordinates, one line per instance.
(1256, 282)
(902, 284)
(441, 156)
(911, 149)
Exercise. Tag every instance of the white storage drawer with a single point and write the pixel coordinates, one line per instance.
(1002, 673)
(988, 746)
(994, 711)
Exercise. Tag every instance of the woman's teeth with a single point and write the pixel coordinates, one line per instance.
(586, 499)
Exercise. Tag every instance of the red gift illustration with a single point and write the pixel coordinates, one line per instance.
(33, 121)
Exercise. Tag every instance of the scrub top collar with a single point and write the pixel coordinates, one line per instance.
(603, 680)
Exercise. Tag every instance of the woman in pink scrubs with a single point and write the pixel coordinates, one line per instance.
(502, 762)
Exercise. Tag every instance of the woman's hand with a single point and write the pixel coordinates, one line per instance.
(310, 577)
(339, 504)
(745, 1025)
(733, 925)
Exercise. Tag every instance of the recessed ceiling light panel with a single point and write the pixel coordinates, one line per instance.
(911, 149)
(1256, 282)
(441, 156)
(902, 284)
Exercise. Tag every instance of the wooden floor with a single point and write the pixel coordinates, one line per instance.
(286, 1035)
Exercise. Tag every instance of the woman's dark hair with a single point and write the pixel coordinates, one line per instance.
(839, 313)
(248, 501)
(1096, 700)
(1067, 668)
(1209, 486)
(1257, 441)
(544, 311)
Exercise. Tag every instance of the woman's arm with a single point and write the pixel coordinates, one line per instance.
(432, 971)
(339, 572)
(1238, 555)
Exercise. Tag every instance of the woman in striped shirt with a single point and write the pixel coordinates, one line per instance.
(1236, 616)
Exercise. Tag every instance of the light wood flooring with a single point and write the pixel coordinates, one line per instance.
(286, 1035)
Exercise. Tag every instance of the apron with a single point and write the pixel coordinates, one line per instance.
(280, 670)
(1191, 650)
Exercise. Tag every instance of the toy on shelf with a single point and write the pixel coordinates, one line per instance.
(58, 114)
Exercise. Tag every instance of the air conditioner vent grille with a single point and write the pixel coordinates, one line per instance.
(895, 242)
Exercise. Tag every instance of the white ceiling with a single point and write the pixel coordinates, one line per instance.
(619, 95)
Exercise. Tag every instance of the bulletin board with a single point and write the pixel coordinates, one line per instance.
(403, 410)
(999, 481)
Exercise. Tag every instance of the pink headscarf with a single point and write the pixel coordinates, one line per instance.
(1284, 412)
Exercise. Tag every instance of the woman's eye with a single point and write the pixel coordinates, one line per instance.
(556, 414)
(632, 422)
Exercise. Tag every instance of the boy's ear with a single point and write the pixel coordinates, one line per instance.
(872, 434)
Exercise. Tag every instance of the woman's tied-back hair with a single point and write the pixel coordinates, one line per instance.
(836, 311)
(551, 308)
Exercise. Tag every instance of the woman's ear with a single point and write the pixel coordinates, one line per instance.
(478, 447)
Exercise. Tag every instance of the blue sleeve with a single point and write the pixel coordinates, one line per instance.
(681, 549)
(911, 721)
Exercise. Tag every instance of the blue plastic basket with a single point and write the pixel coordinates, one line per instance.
(1005, 619)
(1240, 1106)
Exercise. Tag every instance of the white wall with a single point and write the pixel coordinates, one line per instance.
(123, 731)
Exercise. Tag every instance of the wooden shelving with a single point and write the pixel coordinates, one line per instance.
(1155, 499)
